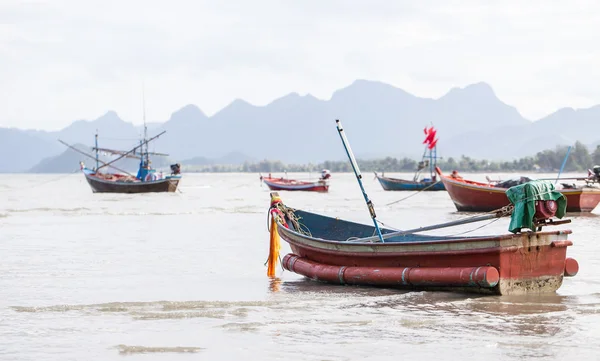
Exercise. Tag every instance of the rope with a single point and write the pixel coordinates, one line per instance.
(41, 184)
(501, 212)
(474, 229)
(122, 139)
(414, 194)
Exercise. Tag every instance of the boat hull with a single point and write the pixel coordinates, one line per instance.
(525, 262)
(275, 184)
(160, 186)
(395, 184)
(473, 197)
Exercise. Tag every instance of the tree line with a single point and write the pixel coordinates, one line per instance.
(580, 159)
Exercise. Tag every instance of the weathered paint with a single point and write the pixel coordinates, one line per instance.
(483, 276)
(471, 196)
(526, 262)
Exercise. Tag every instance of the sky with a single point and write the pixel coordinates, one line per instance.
(65, 60)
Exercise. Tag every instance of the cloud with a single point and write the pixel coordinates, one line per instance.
(63, 60)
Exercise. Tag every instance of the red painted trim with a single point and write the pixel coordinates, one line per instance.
(560, 244)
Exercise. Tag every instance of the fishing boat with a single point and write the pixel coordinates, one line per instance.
(147, 179)
(285, 184)
(473, 196)
(336, 251)
(418, 183)
(522, 261)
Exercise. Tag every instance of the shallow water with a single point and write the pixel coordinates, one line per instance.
(181, 276)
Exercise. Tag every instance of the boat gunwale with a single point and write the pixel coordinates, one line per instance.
(95, 178)
(403, 181)
(289, 184)
(495, 238)
(480, 186)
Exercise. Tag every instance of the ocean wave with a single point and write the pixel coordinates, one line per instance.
(49, 209)
(158, 310)
(125, 349)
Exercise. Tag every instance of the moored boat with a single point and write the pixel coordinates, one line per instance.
(419, 182)
(120, 183)
(284, 184)
(147, 179)
(472, 196)
(397, 184)
(333, 250)
(336, 251)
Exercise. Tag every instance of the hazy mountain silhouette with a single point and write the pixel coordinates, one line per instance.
(380, 120)
(68, 161)
(20, 149)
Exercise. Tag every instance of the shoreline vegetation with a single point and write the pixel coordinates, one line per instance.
(580, 160)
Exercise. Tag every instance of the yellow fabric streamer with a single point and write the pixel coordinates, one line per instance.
(274, 247)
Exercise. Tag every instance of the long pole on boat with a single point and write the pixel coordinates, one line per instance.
(502, 212)
(358, 176)
(563, 164)
(89, 155)
(134, 148)
(145, 127)
(96, 149)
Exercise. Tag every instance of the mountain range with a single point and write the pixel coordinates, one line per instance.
(379, 120)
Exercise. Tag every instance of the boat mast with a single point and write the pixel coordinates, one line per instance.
(145, 154)
(96, 141)
(358, 177)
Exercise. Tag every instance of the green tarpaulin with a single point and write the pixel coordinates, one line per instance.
(523, 197)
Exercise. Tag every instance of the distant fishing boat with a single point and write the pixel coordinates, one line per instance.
(284, 184)
(147, 179)
(472, 196)
(418, 183)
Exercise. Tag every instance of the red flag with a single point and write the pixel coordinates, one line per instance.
(432, 144)
(430, 135)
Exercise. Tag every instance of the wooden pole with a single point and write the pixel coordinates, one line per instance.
(563, 164)
(500, 213)
(133, 150)
(358, 177)
(91, 156)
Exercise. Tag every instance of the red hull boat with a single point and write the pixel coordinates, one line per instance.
(283, 184)
(332, 250)
(472, 196)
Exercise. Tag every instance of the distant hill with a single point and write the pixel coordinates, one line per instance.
(68, 161)
(380, 120)
(19, 149)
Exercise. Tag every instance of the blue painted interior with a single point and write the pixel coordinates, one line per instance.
(333, 229)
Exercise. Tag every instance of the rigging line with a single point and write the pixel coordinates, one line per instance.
(43, 183)
(414, 194)
(123, 139)
(474, 229)
(504, 209)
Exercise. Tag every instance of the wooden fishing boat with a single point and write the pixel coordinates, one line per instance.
(472, 196)
(333, 250)
(397, 184)
(120, 183)
(147, 180)
(284, 184)
(419, 182)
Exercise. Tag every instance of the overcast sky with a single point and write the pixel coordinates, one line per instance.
(63, 60)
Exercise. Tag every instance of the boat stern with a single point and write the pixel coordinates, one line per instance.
(536, 263)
